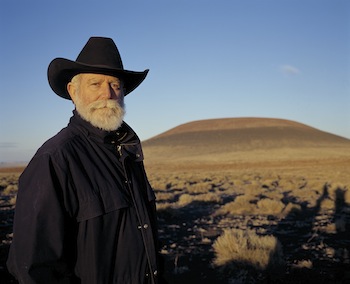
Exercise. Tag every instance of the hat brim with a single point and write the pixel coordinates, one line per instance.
(61, 71)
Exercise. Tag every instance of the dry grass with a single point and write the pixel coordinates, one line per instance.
(8, 187)
(241, 205)
(246, 248)
(269, 206)
(303, 264)
(257, 190)
(186, 199)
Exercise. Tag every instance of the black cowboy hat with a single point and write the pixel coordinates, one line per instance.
(99, 55)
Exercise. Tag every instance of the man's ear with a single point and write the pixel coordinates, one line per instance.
(72, 90)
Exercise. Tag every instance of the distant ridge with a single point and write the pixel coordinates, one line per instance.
(231, 139)
(231, 123)
(272, 131)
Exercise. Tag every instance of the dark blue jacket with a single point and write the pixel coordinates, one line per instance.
(85, 211)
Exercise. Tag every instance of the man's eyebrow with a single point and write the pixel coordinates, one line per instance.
(92, 79)
(114, 80)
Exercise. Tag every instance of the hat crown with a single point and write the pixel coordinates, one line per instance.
(100, 51)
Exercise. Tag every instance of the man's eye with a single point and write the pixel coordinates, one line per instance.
(115, 86)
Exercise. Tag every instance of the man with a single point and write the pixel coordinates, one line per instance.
(85, 210)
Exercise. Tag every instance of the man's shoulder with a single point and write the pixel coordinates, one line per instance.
(58, 143)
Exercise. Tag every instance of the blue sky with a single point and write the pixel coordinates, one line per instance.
(285, 59)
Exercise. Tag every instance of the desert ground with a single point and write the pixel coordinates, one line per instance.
(304, 210)
(261, 202)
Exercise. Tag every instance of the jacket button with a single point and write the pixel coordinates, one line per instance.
(145, 226)
(155, 272)
(138, 155)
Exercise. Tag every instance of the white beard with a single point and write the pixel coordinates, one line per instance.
(105, 114)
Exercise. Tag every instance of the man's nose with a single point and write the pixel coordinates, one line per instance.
(107, 91)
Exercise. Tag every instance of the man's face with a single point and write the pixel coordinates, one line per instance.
(99, 99)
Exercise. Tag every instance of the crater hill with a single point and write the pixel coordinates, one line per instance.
(248, 140)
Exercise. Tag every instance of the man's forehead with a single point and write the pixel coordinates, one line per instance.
(93, 76)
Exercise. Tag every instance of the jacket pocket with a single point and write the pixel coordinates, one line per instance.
(100, 204)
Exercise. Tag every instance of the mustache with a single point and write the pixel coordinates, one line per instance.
(112, 104)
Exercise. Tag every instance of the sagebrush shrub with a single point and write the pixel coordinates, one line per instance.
(246, 248)
(269, 206)
(241, 205)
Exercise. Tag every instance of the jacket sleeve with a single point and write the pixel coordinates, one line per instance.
(43, 229)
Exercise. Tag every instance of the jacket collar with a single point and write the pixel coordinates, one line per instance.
(124, 134)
